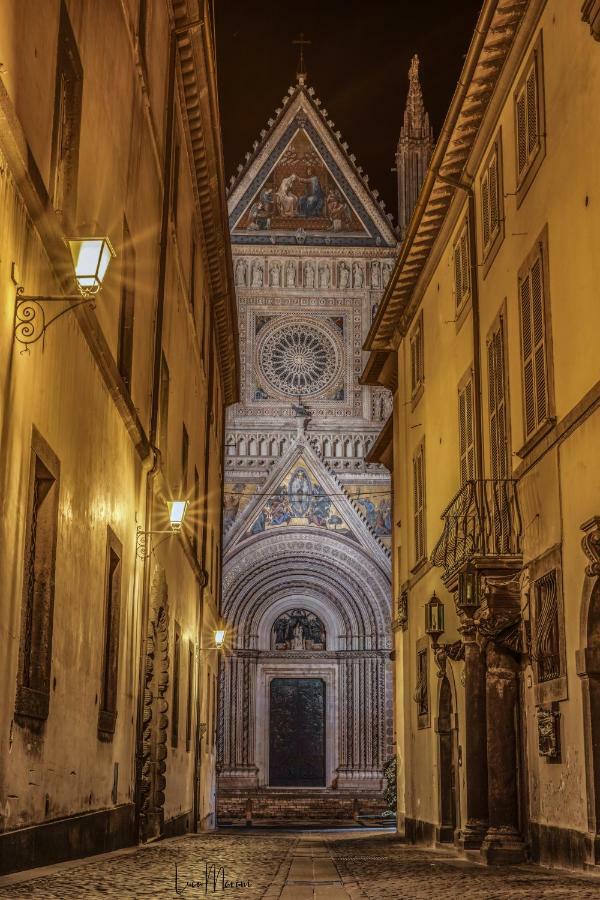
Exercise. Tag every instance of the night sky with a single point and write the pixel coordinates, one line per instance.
(357, 62)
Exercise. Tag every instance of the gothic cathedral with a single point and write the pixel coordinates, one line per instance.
(306, 689)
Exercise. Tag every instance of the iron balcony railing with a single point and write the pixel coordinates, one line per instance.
(483, 519)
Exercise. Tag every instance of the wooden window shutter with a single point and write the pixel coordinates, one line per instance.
(457, 275)
(485, 208)
(464, 253)
(533, 347)
(466, 432)
(532, 111)
(522, 154)
(494, 199)
(416, 356)
(497, 405)
(413, 364)
(419, 502)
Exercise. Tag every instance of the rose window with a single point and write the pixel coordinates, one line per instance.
(301, 357)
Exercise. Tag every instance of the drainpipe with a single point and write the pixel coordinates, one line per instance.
(203, 585)
(158, 331)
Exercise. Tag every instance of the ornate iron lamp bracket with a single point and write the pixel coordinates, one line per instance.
(143, 546)
(31, 323)
(442, 652)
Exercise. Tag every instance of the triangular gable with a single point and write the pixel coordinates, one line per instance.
(301, 491)
(300, 186)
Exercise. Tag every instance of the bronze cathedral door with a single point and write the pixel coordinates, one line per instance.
(297, 732)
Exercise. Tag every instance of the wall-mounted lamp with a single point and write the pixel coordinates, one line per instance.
(434, 627)
(467, 601)
(177, 510)
(219, 638)
(91, 257)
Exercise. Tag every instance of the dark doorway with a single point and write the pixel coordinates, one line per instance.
(447, 764)
(297, 732)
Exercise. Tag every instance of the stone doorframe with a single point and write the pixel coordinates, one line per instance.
(588, 669)
(451, 728)
(265, 673)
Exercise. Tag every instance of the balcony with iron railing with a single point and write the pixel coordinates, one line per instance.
(483, 522)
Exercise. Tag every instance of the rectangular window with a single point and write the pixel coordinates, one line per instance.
(530, 138)
(497, 402)
(419, 502)
(64, 159)
(193, 252)
(196, 512)
(127, 309)
(107, 715)
(466, 431)
(535, 351)
(546, 650)
(185, 453)
(190, 696)
(416, 357)
(35, 652)
(462, 276)
(175, 178)
(163, 407)
(490, 202)
(214, 710)
(421, 695)
(176, 675)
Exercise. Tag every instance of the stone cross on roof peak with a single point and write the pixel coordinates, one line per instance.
(301, 72)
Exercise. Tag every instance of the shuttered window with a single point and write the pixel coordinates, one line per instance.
(462, 279)
(416, 356)
(533, 346)
(466, 432)
(499, 453)
(490, 203)
(419, 502)
(527, 118)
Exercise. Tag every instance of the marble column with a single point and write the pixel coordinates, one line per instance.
(503, 843)
(474, 742)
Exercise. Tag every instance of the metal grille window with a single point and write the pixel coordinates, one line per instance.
(419, 502)
(421, 695)
(546, 649)
(190, 696)
(527, 118)
(534, 345)
(490, 203)
(35, 652)
(466, 432)
(416, 356)
(462, 276)
(176, 676)
(107, 715)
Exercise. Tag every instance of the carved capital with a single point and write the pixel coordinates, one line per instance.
(591, 545)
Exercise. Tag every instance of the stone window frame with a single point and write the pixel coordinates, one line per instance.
(175, 691)
(556, 689)
(32, 700)
(422, 692)
(534, 64)
(490, 250)
(419, 506)
(107, 712)
(68, 92)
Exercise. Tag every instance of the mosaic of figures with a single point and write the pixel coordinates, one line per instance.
(300, 192)
(259, 272)
(298, 629)
(300, 500)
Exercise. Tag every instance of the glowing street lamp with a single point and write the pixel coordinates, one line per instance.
(220, 638)
(434, 618)
(177, 510)
(91, 257)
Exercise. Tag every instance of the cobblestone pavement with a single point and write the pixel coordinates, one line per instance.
(309, 866)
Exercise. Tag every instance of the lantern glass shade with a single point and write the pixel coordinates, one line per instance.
(468, 595)
(434, 617)
(219, 638)
(177, 511)
(91, 257)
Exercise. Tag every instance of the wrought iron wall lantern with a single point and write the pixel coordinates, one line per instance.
(177, 510)
(468, 599)
(91, 257)
(434, 627)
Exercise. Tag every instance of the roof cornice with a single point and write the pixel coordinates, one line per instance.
(200, 109)
(490, 46)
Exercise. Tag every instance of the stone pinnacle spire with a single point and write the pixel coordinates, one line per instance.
(414, 148)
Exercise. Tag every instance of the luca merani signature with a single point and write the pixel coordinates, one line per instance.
(215, 880)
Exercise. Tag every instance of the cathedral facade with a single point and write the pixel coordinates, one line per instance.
(306, 691)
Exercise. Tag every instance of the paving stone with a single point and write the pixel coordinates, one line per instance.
(375, 866)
